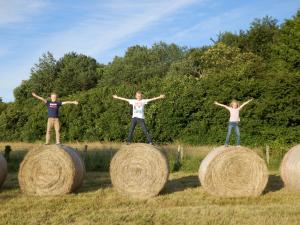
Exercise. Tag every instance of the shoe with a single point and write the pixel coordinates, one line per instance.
(226, 145)
(150, 143)
(46, 143)
(238, 146)
(128, 143)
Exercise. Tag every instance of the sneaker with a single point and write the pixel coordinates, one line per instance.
(238, 146)
(226, 145)
(46, 143)
(128, 143)
(150, 143)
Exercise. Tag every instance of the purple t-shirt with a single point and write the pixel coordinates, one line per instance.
(53, 108)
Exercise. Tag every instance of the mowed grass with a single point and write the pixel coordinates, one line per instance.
(182, 201)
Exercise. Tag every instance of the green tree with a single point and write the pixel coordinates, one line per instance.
(258, 39)
(76, 73)
(41, 80)
(287, 46)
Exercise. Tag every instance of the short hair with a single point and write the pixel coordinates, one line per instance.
(234, 102)
(53, 93)
(139, 92)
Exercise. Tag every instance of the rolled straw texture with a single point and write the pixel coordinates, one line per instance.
(233, 172)
(51, 170)
(3, 169)
(290, 169)
(139, 171)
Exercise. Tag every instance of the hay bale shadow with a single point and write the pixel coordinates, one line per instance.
(11, 182)
(98, 160)
(181, 184)
(95, 181)
(275, 183)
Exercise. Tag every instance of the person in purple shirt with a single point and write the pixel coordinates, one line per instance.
(53, 106)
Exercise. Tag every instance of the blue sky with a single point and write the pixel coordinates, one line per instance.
(105, 28)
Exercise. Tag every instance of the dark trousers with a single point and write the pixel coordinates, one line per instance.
(134, 121)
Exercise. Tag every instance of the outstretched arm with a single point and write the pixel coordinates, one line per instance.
(245, 103)
(219, 104)
(120, 98)
(156, 98)
(69, 102)
(39, 97)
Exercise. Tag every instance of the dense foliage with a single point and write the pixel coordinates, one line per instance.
(262, 62)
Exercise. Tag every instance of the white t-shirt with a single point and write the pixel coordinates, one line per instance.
(234, 114)
(138, 107)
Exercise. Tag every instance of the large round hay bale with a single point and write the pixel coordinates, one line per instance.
(139, 171)
(290, 169)
(3, 169)
(51, 170)
(233, 172)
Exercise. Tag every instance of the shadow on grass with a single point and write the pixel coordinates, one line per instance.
(181, 184)
(275, 183)
(11, 182)
(95, 181)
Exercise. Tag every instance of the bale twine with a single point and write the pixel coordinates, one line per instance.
(233, 172)
(3, 169)
(290, 169)
(51, 170)
(139, 171)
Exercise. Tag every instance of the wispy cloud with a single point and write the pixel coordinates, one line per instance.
(16, 11)
(102, 28)
(114, 24)
(211, 25)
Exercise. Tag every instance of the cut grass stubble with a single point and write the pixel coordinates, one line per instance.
(182, 201)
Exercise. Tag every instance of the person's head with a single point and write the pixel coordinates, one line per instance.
(53, 96)
(138, 95)
(235, 104)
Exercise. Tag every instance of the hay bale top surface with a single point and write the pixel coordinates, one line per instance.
(3, 169)
(139, 170)
(51, 170)
(290, 169)
(233, 172)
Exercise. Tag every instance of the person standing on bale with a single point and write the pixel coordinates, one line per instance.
(53, 111)
(138, 116)
(234, 119)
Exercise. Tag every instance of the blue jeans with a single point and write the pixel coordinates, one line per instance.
(234, 125)
(134, 122)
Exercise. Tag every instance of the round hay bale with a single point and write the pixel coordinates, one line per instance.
(290, 169)
(51, 170)
(139, 171)
(3, 169)
(233, 172)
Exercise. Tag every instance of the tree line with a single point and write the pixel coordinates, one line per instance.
(262, 62)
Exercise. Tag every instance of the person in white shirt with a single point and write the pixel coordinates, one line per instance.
(234, 119)
(138, 116)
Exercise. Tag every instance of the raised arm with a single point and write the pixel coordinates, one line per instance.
(39, 97)
(219, 104)
(156, 98)
(69, 102)
(120, 98)
(245, 103)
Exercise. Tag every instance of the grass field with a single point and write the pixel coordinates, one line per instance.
(182, 201)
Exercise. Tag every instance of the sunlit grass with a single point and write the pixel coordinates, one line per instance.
(182, 201)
